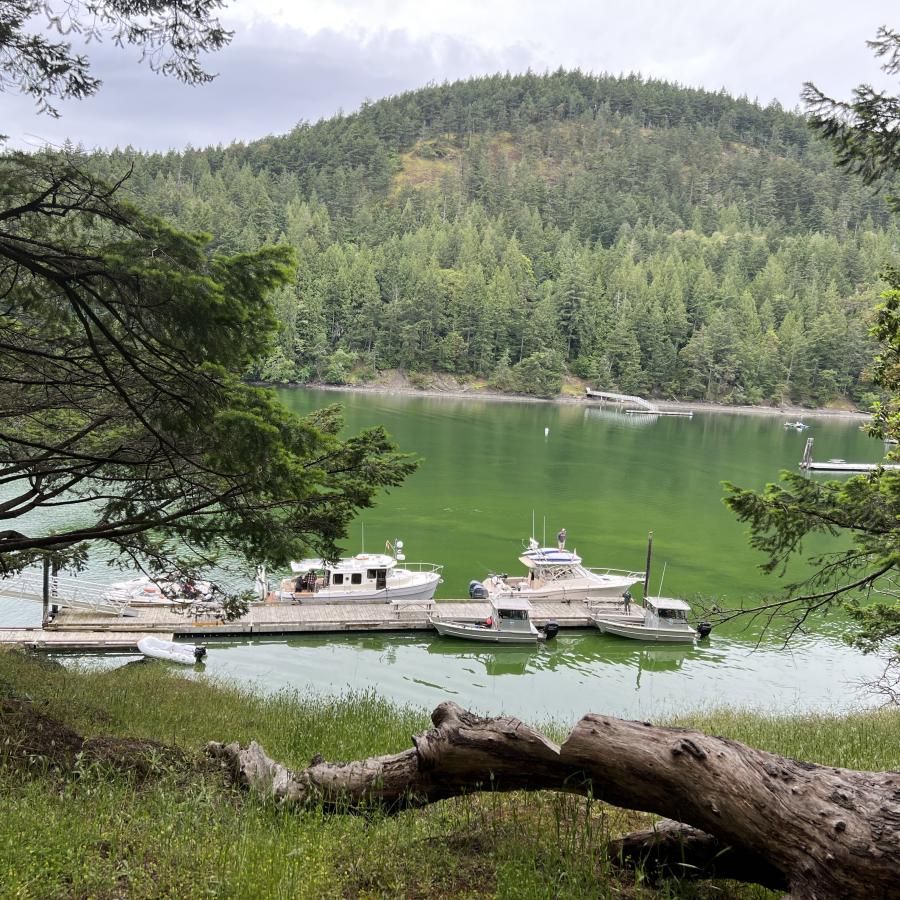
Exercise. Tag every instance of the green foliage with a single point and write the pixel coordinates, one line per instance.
(124, 342)
(540, 374)
(863, 511)
(691, 244)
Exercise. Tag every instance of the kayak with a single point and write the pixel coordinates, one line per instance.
(157, 648)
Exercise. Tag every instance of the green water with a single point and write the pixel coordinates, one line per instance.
(487, 468)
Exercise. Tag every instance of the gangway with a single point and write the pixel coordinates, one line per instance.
(71, 593)
(643, 407)
(808, 464)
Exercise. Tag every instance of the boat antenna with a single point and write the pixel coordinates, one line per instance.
(362, 540)
(545, 532)
(659, 592)
(532, 523)
(647, 566)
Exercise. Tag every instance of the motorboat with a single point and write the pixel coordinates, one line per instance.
(364, 578)
(557, 574)
(665, 619)
(509, 622)
(157, 648)
(797, 426)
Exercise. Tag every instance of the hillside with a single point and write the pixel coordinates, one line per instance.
(658, 239)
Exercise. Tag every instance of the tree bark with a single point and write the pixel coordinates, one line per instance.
(826, 832)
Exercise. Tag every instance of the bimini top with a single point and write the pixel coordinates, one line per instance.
(347, 563)
(549, 556)
(667, 603)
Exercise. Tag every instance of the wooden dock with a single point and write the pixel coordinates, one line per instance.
(79, 630)
(638, 405)
(48, 639)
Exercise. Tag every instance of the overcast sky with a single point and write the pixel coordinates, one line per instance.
(308, 60)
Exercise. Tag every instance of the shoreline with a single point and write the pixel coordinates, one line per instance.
(406, 389)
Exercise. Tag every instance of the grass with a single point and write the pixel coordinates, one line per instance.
(93, 829)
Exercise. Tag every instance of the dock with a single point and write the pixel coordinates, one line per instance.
(808, 464)
(74, 629)
(635, 405)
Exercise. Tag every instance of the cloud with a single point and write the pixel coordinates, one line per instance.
(281, 69)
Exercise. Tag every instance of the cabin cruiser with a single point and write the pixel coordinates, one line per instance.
(176, 591)
(665, 619)
(508, 623)
(364, 578)
(557, 575)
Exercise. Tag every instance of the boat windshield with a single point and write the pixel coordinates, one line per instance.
(513, 613)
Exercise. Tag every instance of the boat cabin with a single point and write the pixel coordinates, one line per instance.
(363, 572)
(666, 612)
(511, 614)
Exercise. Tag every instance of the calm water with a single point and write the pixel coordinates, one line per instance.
(487, 468)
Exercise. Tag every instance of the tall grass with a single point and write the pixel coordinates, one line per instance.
(96, 832)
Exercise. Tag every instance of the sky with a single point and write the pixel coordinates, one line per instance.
(303, 61)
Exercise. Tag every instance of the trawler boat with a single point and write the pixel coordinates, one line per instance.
(509, 623)
(557, 575)
(665, 619)
(364, 578)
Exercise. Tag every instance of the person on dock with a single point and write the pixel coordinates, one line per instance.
(561, 539)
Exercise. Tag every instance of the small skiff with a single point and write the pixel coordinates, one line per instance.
(509, 623)
(665, 619)
(157, 648)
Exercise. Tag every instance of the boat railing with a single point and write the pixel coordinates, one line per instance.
(421, 567)
(623, 573)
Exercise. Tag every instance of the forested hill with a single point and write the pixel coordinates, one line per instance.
(658, 239)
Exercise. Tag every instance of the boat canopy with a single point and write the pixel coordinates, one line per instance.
(510, 603)
(667, 603)
(549, 556)
(351, 563)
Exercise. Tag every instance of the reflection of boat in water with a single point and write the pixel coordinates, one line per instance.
(509, 623)
(497, 659)
(554, 574)
(665, 619)
(364, 578)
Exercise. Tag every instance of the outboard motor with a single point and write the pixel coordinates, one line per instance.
(551, 630)
(704, 628)
(199, 653)
(477, 591)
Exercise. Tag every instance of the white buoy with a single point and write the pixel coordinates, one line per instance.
(546, 432)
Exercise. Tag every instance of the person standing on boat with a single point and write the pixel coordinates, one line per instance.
(561, 539)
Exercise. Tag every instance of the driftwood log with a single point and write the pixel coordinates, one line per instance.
(737, 812)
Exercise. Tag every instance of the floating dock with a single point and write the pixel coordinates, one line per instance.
(73, 629)
(639, 405)
(838, 465)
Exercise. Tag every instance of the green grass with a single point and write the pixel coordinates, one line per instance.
(98, 831)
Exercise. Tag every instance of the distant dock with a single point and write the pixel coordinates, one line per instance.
(808, 464)
(635, 405)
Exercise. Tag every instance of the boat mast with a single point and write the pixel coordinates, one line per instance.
(647, 567)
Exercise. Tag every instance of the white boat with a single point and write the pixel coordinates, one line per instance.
(557, 575)
(174, 592)
(364, 578)
(797, 426)
(665, 619)
(157, 648)
(509, 623)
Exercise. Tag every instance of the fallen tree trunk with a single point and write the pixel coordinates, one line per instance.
(828, 832)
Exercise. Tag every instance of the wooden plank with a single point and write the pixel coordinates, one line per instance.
(43, 639)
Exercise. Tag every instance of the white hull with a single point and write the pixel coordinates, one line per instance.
(421, 590)
(568, 589)
(171, 651)
(643, 632)
(473, 632)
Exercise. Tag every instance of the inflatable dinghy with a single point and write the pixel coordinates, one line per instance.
(188, 654)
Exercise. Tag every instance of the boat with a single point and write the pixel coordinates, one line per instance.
(509, 623)
(557, 574)
(157, 648)
(364, 578)
(171, 592)
(665, 619)
(797, 426)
